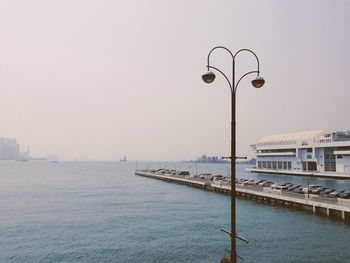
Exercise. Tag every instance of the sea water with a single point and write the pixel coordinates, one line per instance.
(102, 212)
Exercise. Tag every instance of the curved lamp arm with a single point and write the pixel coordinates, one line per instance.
(233, 86)
(248, 50)
(228, 81)
(221, 47)
(250, 72)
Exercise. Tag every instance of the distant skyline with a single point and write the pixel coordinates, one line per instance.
(100, 80)
(11, 150)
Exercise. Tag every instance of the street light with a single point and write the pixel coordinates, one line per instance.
(258, 82)
(308, 186)
(189, 169)
(227, 171)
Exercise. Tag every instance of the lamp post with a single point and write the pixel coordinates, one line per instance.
(308, 186)
(227, 171)
(258, 82)
(189, 169)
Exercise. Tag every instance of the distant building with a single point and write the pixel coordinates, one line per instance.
(210, 159)
(314, 151)
(10, 150)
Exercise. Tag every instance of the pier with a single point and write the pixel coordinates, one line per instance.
(334, 208)
(173, 179)
(300, 173)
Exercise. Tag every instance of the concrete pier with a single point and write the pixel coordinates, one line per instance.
(333, 208)
(300, 173)
(168, 178)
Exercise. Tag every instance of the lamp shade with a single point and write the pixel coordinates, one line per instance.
(208, 77)
(258, 82)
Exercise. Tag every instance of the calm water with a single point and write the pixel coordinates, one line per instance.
(102, 212)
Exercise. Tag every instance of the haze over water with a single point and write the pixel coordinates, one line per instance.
(97, 80)
(102, 212)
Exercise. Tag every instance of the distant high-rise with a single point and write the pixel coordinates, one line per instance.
(9, 150)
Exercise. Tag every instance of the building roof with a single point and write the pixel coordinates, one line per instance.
(289, 138)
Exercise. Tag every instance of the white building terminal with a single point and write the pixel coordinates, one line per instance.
(318, 153)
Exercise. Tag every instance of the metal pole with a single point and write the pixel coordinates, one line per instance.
(233, 168)
(208, 78)
(308, 186)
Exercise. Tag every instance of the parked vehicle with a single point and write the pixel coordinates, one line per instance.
(241, 180)
(183, 173)
(292, 187)
(160, 171)
(327, 191)
(252, 182)
(218, 177)
(345, 195)
(266, 184)
(204, 175)
(259, 182)
(248, 182)
(318, 190)
(279, 187)
(287, 184)
(226, 180)
(328, 196)
(299, 190)
(336, 193)
(311, 187)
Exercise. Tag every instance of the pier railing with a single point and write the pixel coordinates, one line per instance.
(312, 197)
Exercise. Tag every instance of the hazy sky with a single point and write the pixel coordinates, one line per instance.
(88, 79)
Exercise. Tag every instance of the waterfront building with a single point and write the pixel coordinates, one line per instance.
(323, 152)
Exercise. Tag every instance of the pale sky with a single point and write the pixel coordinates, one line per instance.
(98, 79)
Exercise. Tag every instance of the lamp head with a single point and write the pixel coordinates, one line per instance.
(258, 82)
(208, 77)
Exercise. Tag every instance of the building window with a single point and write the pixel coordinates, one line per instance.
(309, 150)
(329, 160)
(279, 165)
(340, 156)
(268, 164)
(285, 165)
(289, 165)
(264, 164)
(259, 164)
(274, 165)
